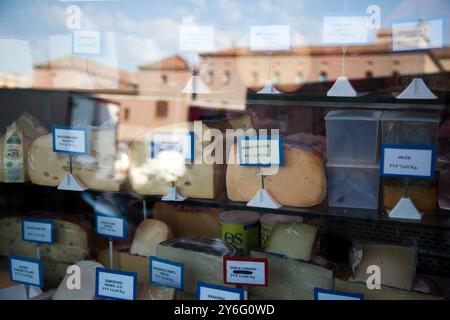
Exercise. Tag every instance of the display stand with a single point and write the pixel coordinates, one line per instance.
(144, 210)
(417, 89)
(111, 253)
(405, 208)
(269, 88)
(263, 199)
(173, 194)
(342, 87)
(196, 85)
(70, 181)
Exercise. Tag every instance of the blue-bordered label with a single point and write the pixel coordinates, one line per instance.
(25, 270)
(181, 142)
(322, 294)
(39, 231)
(166, 273)
(408, 161)
(111, 227)
(86, 42)
(116, 285)
(260, 151)
(70, 140)
(207, 291)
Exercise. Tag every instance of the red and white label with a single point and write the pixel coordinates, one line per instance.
(245, 271)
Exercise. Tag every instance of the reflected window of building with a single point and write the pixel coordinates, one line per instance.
(255, 77)
(395, 74)
(161, 109)
(164, 79)
(276, 78)
(396, 62)
(369, 74)
(126, 114)
(299, 78)
(370, 63)
(323, 77)
(210, 76)
(226, 77)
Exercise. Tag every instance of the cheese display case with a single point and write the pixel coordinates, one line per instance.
(266, 167)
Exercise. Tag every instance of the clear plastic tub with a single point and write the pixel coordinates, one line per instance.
(353, 185)
(353, 136)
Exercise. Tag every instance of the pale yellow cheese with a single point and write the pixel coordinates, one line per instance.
(153, 292)
(148, 235)
(295, 240)
(300, 182)
(96, 170)
(291, 279)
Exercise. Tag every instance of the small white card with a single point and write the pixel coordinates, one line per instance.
(345, 30)
(418, 35)
(117, 285)
(86, 42)
(180, 142)
(404, 161)
(113, 227)
(270, 38)
(321, 294)
(167, 273)
(26, 271)
(38, 231)
(245, 271)
(70, 140)
(263, 151)
(207, 291)
(196, 38)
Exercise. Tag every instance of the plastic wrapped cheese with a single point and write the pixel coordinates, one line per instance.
(148, 235)
(295, 240)
(155, 176)
(300, 182)
(96, 170)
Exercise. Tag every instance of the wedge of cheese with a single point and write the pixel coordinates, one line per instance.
(96, 170)
(293, 239)
(301, 182)
(71, 243)
(291, 279)
(155, 176)
(188, 221)
(202, 259)
(149, 234)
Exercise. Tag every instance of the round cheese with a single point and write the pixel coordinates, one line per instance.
(148, 235)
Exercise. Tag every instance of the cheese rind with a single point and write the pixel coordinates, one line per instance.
(300, 182)
(202, 259)
(294, 240)
(148, 235)
(291, 279)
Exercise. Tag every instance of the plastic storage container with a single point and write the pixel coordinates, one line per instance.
(353, 186)
(353, 136)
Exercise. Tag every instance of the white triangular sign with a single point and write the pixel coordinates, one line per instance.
(269, 88)
(71, 183)
(342, 88)
(173, 195)
(417, 89)
(405, 209)
(263, 199)
(196, 85)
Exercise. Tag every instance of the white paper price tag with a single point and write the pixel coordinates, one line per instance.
(26, 271)
(180, 142)
(167, 273)
(321, 294)
(117, 285)
(207, 291)
(401, 161)
(113, 227)
(270, 38)
(70, 140)
(245, 271)
(417, 35)
(345, 30)
(260, 151)
(86, 42)
(38, 231)
(196, 38)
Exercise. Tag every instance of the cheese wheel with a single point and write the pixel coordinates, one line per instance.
(300, 182)
(295, 240)
(148, 235)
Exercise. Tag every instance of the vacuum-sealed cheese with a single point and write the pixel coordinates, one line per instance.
(300, 182)
(154, 176)
(96, 170)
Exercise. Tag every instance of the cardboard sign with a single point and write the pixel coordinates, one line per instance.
(180, 142)
(112, 227)
(245, 271)
(405, 161)
(262, 151)
(207, 291)
(270, 38)
(167, 273)
(417, 35)
(86, 42)
(70, 140)
(38, 231)
(345, 30)
(117, 285)
(25, 270)
(196, 38)
(322, 294)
